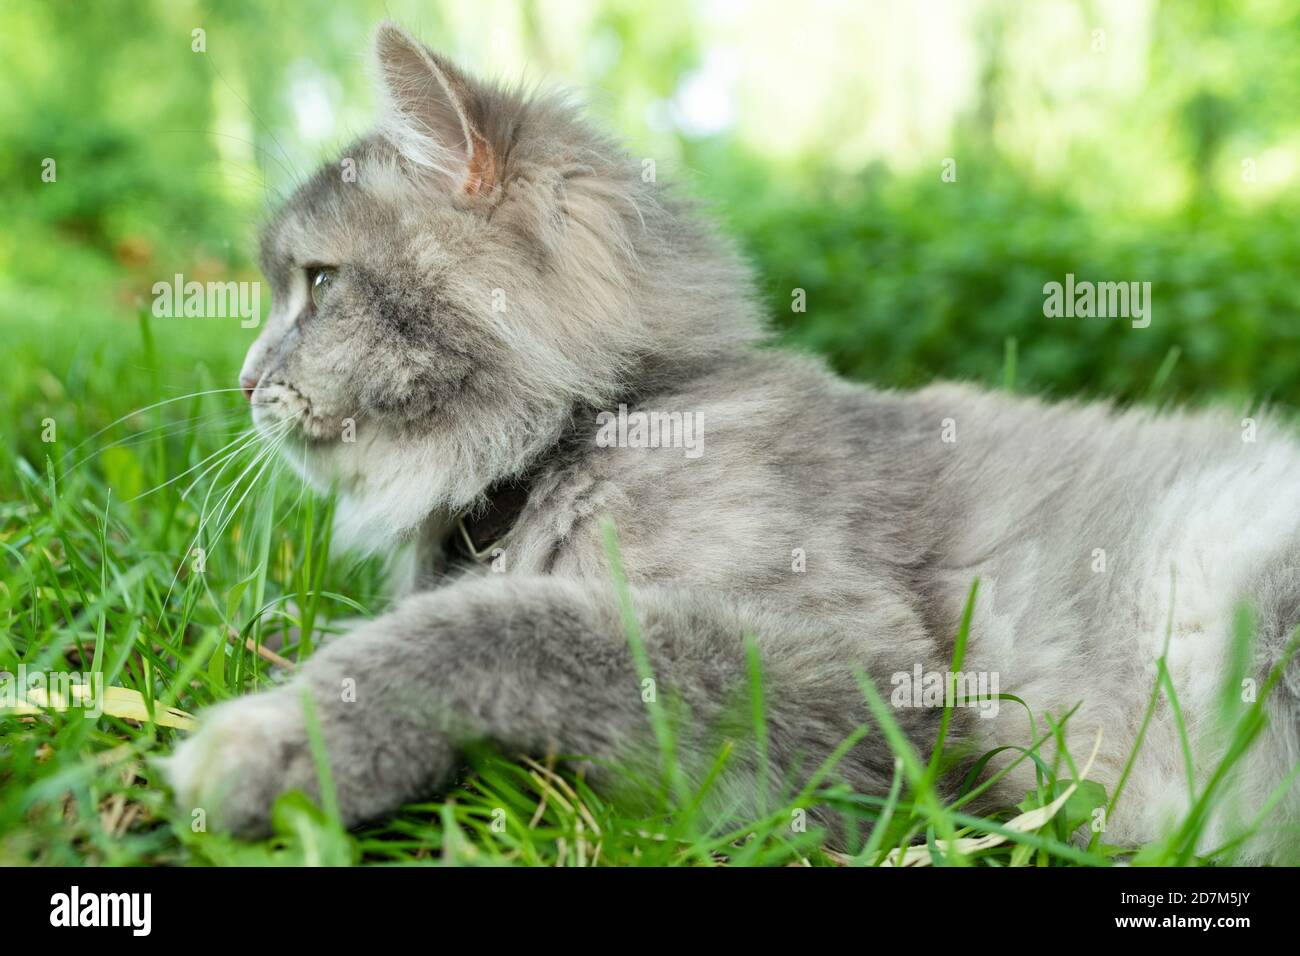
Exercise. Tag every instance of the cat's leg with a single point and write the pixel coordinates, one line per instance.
(543, 665)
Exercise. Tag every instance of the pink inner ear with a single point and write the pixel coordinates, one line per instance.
(482, 166)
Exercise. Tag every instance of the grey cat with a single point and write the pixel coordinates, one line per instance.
(529, 337)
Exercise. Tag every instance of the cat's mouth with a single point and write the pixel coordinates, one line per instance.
(277, 404)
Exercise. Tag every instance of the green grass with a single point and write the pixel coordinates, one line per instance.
(99, 575)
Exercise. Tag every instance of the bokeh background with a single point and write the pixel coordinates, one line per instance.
(1126, 140)
(1116, 139)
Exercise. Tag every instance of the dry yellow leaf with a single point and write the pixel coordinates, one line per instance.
(118, 702)
(1025, 823)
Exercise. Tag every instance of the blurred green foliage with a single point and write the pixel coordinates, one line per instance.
(1119, 140)
(166, 160)
(910, 280)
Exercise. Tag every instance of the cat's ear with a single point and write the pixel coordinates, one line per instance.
(428, 112)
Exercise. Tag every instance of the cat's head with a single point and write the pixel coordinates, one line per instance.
(460, 283)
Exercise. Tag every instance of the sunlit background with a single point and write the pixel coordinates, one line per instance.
(1119, 140)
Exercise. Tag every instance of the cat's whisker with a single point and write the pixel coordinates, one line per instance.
(141, 411)
(224, 463)
(253, 439)
(246, 439)
(268, 458)
(271, 446)
(257, 148)
(162, 431)
(275, 439)
(286, 167)
(227, 449)
(219, 466)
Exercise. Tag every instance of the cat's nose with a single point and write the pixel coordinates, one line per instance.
(247, 384)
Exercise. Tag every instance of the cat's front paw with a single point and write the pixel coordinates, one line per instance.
(245, 753)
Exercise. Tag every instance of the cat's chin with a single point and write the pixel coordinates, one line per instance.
(390, 483)
(387, 487)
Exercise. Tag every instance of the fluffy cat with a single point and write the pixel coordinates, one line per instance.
(497, 276)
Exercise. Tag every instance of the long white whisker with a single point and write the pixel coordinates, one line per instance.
(205, 515)
(272, 445)
(245, 440)
(227, 448)
(161, 431)
(268, 460)
(140, 411)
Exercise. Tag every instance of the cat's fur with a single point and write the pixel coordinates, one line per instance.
(469, 197)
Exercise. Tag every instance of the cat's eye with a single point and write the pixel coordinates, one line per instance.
(318, 283)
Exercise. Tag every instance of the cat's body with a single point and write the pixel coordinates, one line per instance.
(840, 526)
